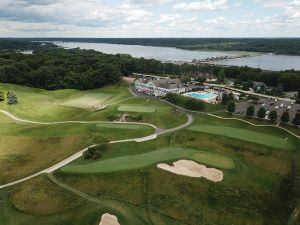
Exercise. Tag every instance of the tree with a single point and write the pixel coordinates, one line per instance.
(296, 120)
(12, 98)
(230, 97)
(231, 107)
(1, 95)
(224, 99)
(285, 117)
(250, 111)
(273, 115)
(261, 113)
(221, 76)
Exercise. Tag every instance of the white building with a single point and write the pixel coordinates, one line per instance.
(159, 87)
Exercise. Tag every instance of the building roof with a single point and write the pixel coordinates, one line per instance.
(166, 83)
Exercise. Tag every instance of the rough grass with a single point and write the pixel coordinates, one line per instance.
(41, 196)
(146, 159)
(27, 148)
(135, 108)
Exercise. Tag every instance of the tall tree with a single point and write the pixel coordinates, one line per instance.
(221, 76)
(285, 117)
(231, 107)
(296, 120)
(250, 111)
(224, 99)
(273, 115)
(261, 113)
(2, 96)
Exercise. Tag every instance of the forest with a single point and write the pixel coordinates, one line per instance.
(51, 67)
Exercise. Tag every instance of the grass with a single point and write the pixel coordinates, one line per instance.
(27, 148)
(150, 158)
(38, 104)
(39, 201)
(135, 108)
(41, 105)
(164, 117)
(245, 135)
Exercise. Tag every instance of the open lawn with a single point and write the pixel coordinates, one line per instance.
(149, 111)
(150, 158)
(43, 105)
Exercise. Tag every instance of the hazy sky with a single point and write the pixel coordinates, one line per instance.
(149, 18)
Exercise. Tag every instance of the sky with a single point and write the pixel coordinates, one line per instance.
(149, 18)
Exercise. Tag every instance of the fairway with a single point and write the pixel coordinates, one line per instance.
(245, 135)
(150, 158)
(136, 108)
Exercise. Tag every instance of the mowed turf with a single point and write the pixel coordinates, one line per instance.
(43, 105)
(245, 135)
(149, 158)
(136, 108)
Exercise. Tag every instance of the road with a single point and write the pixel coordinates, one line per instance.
(249, 92)
(77, 155)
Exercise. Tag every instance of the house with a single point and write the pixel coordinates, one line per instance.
(258, 86)
(159, 87)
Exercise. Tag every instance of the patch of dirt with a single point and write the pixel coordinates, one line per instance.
(108, 219)
(192, 169)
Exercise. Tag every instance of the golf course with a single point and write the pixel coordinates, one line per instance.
(48, 127)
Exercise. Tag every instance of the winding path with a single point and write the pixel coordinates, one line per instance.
(77, 155)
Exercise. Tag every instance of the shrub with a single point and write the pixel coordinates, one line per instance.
(1, 95)
(12, 98)
(95, 152)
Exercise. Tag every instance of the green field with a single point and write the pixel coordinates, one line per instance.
(146, 159)
(245, 135)
(258, 164)
(38, 104)
(135, 108)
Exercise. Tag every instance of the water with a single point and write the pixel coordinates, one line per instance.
(265, 62)
(202, 96)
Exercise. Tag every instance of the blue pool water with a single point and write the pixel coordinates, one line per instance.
(201, 96)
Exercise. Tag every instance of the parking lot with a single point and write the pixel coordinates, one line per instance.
(269, 104)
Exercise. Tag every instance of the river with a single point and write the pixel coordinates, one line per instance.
(264, 61)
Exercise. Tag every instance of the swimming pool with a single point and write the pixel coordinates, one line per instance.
(201, 96)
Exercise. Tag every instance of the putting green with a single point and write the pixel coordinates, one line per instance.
(85, 101)
(136, 108)
(146, 159)
(245, 135)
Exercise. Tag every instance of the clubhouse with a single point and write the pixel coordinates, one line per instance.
(159, 87)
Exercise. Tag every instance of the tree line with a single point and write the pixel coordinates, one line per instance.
(52, 67)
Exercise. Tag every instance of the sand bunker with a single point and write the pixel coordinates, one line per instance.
(192, 169)
(108, 219)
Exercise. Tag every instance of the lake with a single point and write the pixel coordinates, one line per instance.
(265, 61)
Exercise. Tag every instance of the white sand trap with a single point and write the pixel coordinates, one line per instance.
(108, 219)
(192, 169)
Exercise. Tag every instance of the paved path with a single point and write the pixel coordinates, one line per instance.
(77, 155)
